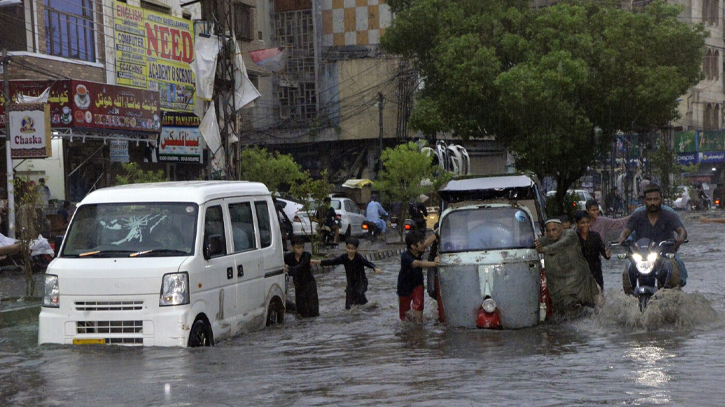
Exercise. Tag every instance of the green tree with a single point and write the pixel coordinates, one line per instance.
(133, 174)
(311, 192)
(274, 170)
(552, 84)
(404, 167)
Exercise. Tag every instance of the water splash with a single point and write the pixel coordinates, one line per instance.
(672, 309)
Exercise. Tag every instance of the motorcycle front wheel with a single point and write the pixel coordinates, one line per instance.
(643, 302)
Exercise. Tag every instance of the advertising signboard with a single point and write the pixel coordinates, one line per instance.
(30, 131)
(710, 141)
(91, 105)
(685, 142)
(153, 51)
(180, 139)
(118, 151)
(686, 158)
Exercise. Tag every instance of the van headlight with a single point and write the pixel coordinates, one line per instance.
(51, 297)
(174, 289)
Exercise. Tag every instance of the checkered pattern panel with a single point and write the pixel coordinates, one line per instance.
(354, 22)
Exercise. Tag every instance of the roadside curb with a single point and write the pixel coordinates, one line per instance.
(19, 315)
(371, 256)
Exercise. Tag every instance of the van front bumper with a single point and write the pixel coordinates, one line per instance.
(135, 321)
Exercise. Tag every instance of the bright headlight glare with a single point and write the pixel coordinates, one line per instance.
(652, 257)
(174, 289)
(637, 257)
(644, 267)
(51, 297)
(489, 305)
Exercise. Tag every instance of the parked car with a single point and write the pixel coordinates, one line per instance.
(350, 216)
(581, 198)
(300, 219)
(682, 202)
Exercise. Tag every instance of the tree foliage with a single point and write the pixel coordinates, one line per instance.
(404, 167)
(311, 192)
(274, 170)
(133, 174)
(552, 84)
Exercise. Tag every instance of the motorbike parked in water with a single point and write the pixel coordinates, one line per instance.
(648, 268)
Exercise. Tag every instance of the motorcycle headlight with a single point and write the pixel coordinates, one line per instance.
(645, 266)
(174, 289)
(51, 297)
(489, 305)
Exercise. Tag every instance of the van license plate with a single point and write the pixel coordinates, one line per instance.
(99, 341)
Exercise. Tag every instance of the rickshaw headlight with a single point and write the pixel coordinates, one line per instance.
(489, 305)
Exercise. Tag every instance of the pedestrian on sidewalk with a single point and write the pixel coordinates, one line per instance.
(357, 281)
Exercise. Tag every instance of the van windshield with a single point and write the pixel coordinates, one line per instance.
(486, 229)
(132, 230)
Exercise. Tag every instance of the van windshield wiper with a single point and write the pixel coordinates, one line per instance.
(104, 253)
(170, 252)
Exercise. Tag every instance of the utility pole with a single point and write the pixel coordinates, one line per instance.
(380, 123)
(221, 13)
(8, 159)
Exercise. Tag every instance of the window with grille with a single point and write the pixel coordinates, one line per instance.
(69, 29)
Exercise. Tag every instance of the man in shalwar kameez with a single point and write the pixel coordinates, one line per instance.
(571, 284)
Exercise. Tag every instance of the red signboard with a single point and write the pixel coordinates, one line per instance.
(91, 105)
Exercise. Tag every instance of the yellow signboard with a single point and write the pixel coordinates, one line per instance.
(153, 52)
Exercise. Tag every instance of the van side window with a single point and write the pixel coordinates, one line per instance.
(265, 225)
(214, 225)
(240, 215)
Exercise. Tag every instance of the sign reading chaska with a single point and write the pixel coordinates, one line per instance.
(30, 131)
(153, 52)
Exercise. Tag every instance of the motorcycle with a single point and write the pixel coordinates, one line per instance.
(648, 269)
(703, 202)
(372, 231)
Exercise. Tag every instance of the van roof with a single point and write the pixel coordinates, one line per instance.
(177, 191)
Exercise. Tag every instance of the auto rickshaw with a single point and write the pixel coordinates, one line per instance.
(490, 274)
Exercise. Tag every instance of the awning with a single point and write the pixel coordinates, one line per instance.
(356, 183)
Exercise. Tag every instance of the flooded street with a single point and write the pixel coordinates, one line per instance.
(671, 355)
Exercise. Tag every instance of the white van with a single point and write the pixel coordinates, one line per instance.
(166, 264)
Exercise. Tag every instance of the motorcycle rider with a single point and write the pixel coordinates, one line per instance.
(657, 225)
(374, 213)
(327, 219)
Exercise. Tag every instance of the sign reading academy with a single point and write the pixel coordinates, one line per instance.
(153, 52)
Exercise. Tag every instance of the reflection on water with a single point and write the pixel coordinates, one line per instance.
(669, 355)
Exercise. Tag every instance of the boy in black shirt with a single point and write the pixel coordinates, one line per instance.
(410, 280)
(357, 281)
(592, 246)
(297, 264)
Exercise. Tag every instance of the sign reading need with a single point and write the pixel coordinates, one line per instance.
(153, 52)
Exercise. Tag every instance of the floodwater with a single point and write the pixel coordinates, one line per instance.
(671, 355)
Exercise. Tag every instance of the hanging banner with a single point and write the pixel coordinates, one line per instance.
(180, 139)
(30, 131)
(153, 51)
(118, 151)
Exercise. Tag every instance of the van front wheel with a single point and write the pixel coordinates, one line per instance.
(275, 314)
(200, 334)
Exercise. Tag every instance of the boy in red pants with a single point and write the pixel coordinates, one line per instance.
(410, 280)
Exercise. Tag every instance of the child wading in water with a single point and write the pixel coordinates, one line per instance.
(592, 246)
(297, 264)
(410, 279)
(357, 281)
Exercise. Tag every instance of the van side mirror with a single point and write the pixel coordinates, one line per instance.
(213, 246)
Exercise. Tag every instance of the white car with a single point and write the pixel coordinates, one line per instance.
(349, 215)
(683, 198)
(581, 196)
(299, 218)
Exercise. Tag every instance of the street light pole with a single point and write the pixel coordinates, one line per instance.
(8, 158)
